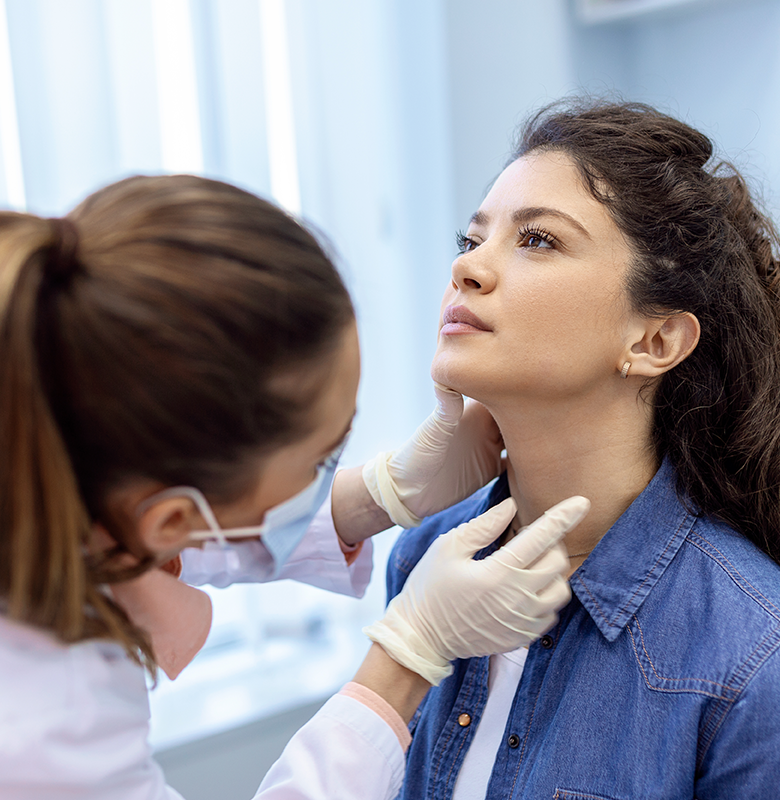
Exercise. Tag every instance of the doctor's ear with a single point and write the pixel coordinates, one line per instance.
(164, 526)
(658, 345)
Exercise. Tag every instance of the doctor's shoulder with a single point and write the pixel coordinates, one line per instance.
(59, 702)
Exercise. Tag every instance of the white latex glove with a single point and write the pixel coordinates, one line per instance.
(455, 607)
(451, 455)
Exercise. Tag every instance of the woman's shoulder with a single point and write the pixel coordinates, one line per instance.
(714, 616)
(735, 564)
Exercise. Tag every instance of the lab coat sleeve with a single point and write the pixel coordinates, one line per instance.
(318, 560)
(346, 751)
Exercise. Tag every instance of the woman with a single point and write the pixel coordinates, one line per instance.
(180, 364)
(616, 307)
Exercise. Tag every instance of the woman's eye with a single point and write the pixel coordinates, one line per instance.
(465, 243)
(536, 240)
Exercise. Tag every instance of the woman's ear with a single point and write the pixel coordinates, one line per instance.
(658, 345)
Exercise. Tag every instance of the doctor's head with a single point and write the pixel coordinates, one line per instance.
(612, 264)
(170, 331)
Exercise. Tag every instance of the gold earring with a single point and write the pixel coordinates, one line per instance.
(626, 368)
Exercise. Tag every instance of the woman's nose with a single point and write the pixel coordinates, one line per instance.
(471, 272)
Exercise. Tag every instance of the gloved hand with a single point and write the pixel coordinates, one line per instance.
(455, 607)
(451, 455)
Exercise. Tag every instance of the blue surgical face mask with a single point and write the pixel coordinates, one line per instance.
(283, 526)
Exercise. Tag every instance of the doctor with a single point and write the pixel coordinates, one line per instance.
(179, 366)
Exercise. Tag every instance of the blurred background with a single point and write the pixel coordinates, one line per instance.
(380, 122)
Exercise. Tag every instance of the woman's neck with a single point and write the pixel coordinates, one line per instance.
(599, 450)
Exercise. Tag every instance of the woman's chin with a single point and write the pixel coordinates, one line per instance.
(453, 375)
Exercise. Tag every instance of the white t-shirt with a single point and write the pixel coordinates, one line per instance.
(504, 678)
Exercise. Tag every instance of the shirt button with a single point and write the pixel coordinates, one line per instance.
(513, 741)
(546, 642)
(464, 720)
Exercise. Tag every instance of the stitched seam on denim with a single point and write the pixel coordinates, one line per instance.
(403, 565)
(771, 649)
(652, 569)
(454, 761)
(636, 591)
(434, 777)
(713, 727)
(595, 603)
(678, 680)
(667, 691)
(575, 794)
(773, 610)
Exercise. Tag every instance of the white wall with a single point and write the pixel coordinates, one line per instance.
(372, 80)
(230, 765)
(504, 57)
(715, 63)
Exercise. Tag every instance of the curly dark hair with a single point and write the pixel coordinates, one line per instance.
(701, 246)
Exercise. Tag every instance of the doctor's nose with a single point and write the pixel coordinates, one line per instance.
(471, 272)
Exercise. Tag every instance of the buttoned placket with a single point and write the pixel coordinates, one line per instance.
(512, 762)
(456, 736)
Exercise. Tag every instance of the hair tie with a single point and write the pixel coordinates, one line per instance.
(63, 261)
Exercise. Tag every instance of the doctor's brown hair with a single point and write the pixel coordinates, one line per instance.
(139, 338)
(702, 246)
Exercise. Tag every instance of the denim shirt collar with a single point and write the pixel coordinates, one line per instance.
(632, 556)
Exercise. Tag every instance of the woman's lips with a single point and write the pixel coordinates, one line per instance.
(458, 319)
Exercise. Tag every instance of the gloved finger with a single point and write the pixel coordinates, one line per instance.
(556, 594)
(538, 626)
(539, 536)
(450, 404)
(552, 564)
(483, 530)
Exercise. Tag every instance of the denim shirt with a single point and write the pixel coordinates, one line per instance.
(660, 680)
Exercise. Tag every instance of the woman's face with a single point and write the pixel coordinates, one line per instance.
(536, 305)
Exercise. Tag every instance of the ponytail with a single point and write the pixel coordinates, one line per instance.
(45, 578)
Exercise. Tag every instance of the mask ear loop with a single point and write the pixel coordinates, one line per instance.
(200, 503)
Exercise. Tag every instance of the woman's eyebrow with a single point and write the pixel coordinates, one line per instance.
(526, 215)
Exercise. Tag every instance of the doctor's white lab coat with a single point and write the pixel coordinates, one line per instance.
(74, 720)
